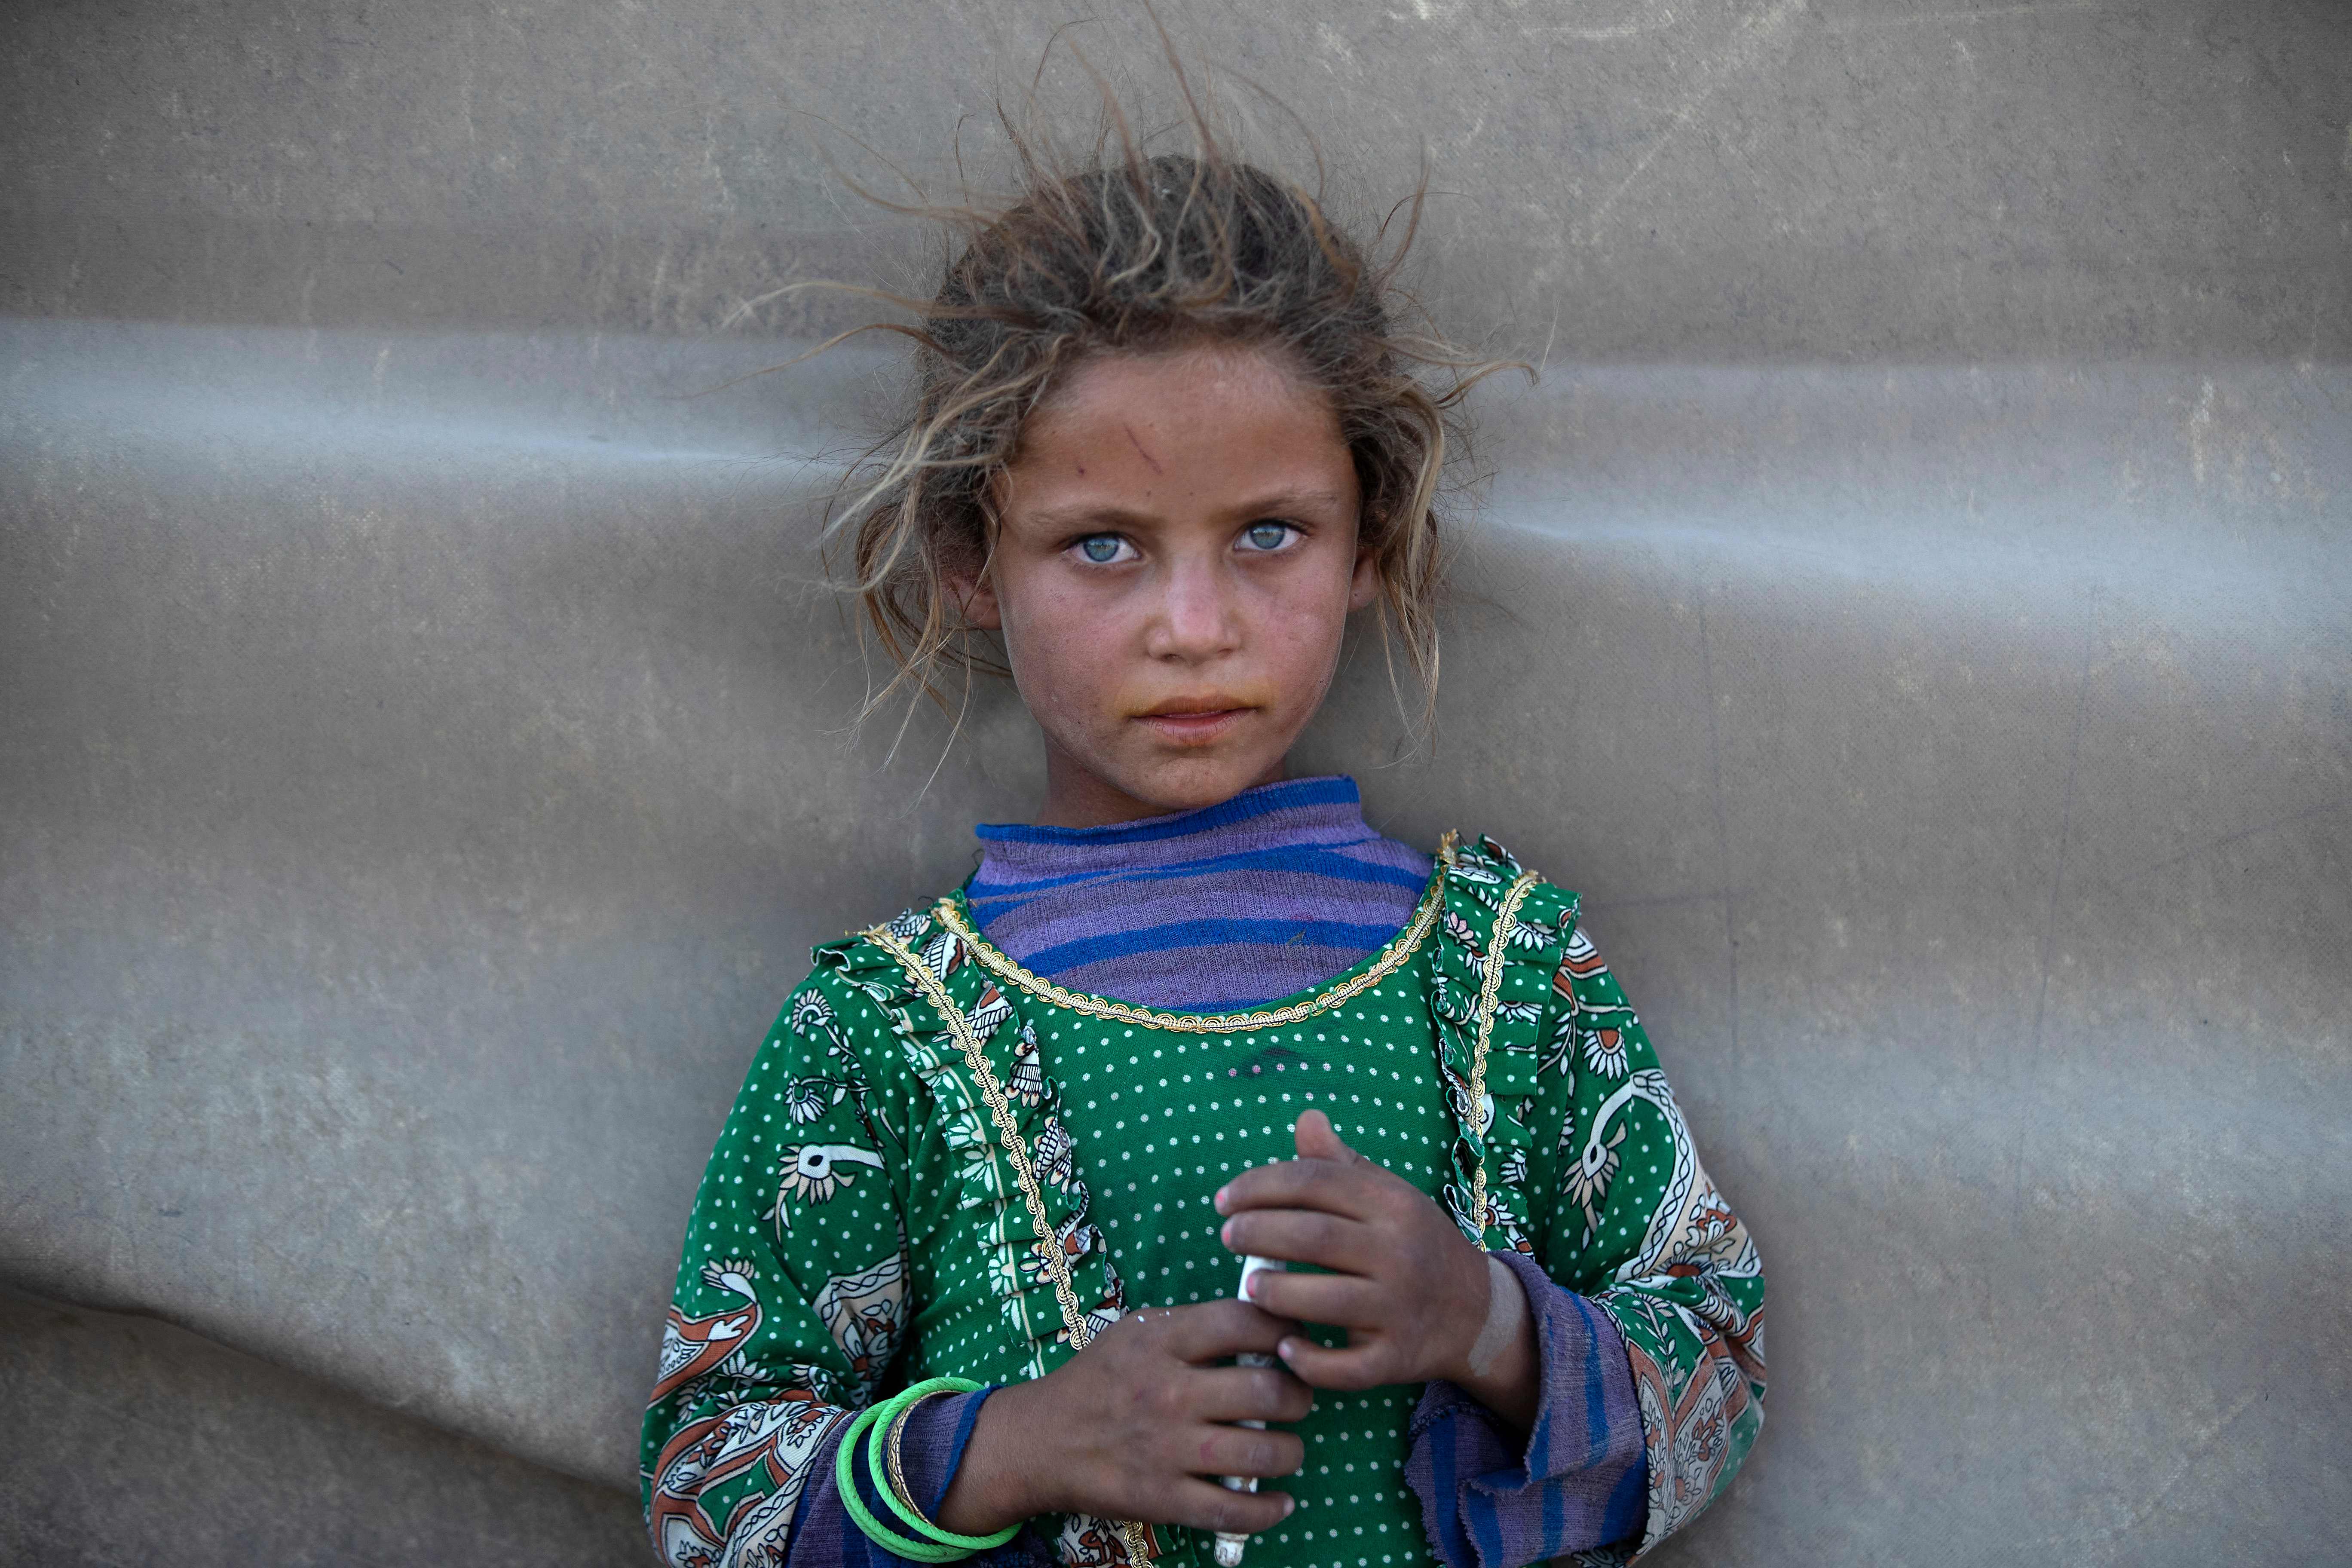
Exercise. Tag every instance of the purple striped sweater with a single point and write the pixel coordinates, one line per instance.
(1230, 906)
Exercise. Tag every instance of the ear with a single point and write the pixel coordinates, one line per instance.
(975, 596)
(1364, 581)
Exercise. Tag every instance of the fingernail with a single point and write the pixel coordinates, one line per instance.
(1289, 1503)
(1249, 1287)
(1220, 1199)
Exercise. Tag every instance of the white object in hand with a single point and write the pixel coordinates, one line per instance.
(1230, 1544)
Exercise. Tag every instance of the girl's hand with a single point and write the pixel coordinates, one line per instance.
(1411, 1289)
(1129, 1428)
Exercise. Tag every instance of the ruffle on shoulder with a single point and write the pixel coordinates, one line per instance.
(1507, 929)
(1016, 1161)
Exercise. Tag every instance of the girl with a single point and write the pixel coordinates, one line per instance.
(958, 1280)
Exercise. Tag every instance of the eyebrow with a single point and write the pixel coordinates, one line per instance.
(1270, 504)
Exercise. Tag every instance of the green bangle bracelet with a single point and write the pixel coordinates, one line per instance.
(886, 1484)
(882, 1535)
(941, 1545)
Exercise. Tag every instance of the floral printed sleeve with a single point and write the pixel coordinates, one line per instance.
(791, 1297)
(1626, 1215)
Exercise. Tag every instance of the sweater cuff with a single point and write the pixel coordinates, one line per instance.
(931, 1445)
(930, 1448)
(1579, 1479)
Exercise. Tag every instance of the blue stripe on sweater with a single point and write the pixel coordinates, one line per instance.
(1313, 860)
(1175, 934)
(1448, 1486)
(1596, 1412)
(1484, 1518)
(1257, 802)
(1628, 1504)
(964, 1425)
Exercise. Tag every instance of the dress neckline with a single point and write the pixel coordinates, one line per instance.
(954, 911)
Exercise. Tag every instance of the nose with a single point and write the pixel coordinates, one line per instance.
(1199, 616)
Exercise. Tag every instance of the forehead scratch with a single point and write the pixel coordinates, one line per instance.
(1141, 448)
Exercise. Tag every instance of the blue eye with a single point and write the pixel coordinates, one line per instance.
(1101, 549)
(1267, 535)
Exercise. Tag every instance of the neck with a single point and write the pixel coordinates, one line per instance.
(1076, 796)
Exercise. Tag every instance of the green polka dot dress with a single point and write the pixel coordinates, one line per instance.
(942, 1165)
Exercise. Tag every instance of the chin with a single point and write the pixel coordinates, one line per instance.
(1188, 784)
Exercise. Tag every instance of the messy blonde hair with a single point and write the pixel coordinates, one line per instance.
(1125, 252)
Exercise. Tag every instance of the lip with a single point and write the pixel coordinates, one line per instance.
(1194, 723)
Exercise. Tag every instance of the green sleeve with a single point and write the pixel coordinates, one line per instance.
(792, 1298)
(1625, 1213)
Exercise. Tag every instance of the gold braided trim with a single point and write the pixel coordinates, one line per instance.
(999, 1110)
(1490, 995)
(1397, 953)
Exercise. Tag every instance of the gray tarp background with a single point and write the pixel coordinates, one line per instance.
(1915, 609)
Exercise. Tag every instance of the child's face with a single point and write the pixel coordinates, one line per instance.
(1175, 562)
